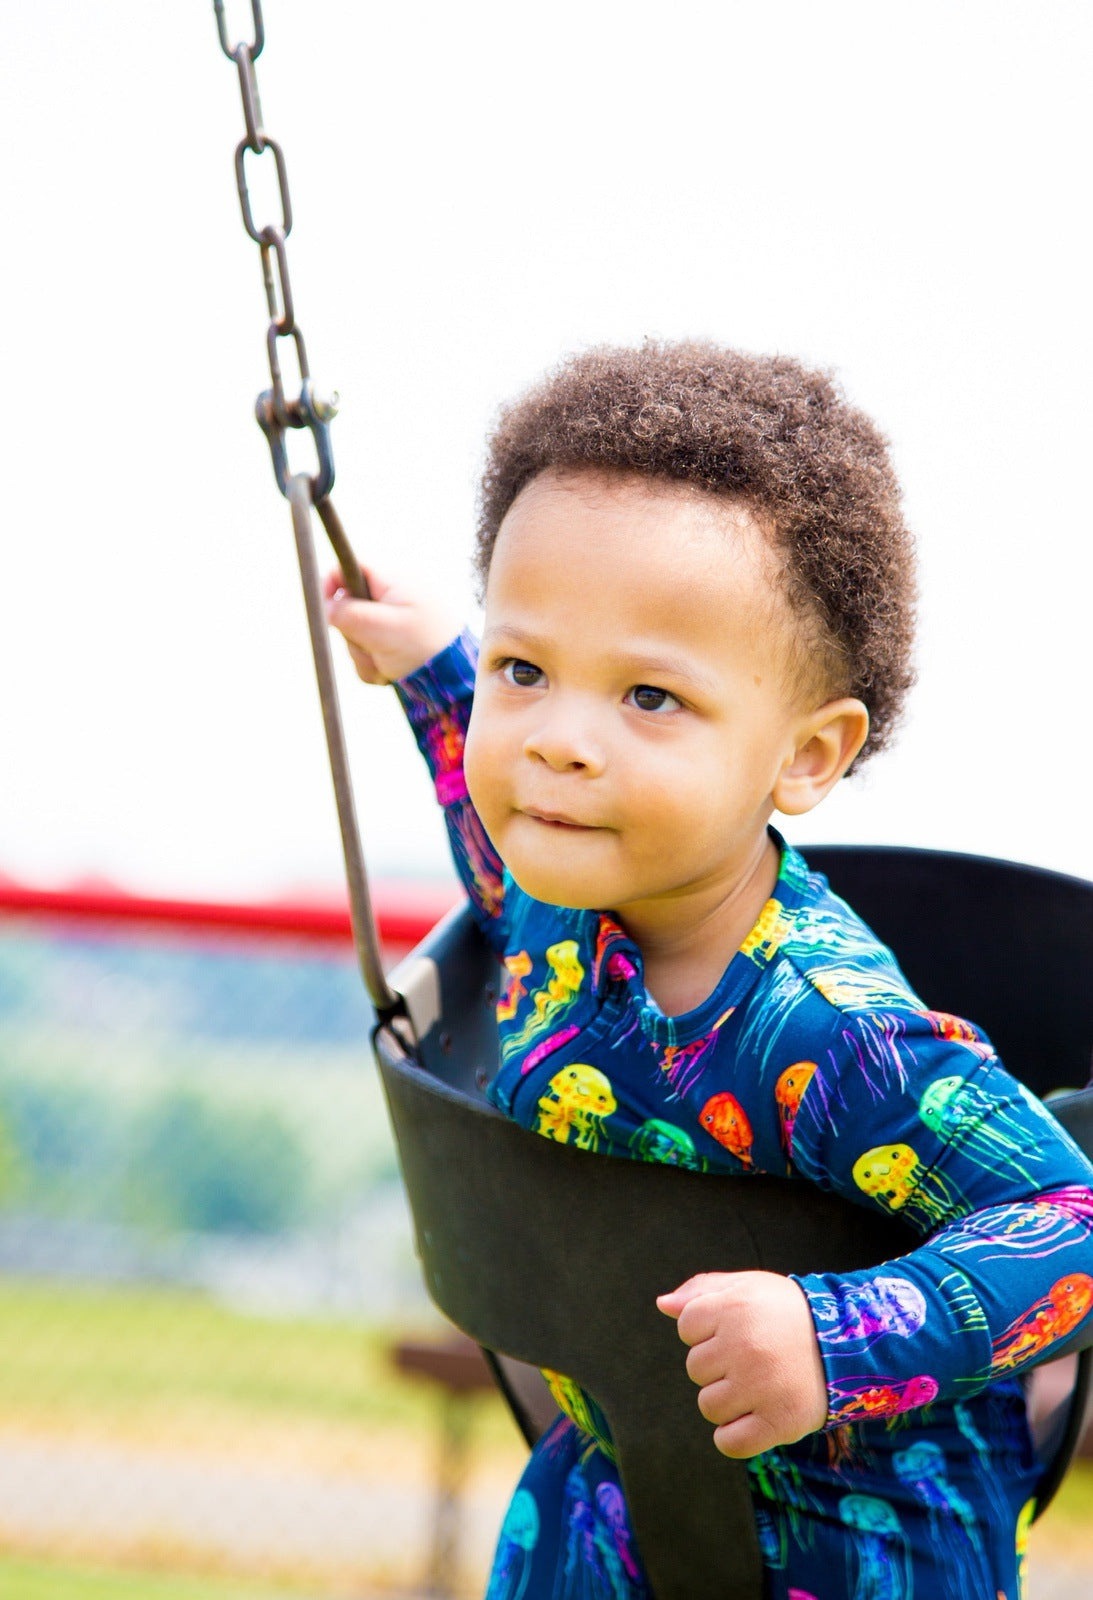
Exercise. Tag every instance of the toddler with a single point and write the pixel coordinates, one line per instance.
(699, 611)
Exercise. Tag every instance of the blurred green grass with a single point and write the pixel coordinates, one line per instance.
(178, 1368)
(121, 1358)
(32, 1580)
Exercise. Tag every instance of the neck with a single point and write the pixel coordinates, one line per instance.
(687, 944)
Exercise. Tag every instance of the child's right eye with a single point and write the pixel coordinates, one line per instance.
(523, 674)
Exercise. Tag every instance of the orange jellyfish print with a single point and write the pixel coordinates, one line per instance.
(1052, 1317)
(957, 1031)
(725, 1118)
(518, 967)
(788, 1092)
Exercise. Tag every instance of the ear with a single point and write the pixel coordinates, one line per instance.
(828, 741)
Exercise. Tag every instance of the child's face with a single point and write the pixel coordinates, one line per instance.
(631, 712)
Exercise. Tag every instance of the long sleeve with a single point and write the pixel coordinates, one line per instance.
(914, 1113)
(437, 700)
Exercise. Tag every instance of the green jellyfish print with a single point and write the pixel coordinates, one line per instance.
(662, 1141)
(961, 1114)
(776, 1478)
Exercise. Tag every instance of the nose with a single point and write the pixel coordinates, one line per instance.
(565, 738)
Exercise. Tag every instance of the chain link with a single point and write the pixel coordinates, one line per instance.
(275, 411)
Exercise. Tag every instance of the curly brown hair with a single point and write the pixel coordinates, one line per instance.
(765, 432)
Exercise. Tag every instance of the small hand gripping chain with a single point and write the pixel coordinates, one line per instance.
(275, 413)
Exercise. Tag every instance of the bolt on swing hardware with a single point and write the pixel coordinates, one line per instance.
(276, 412)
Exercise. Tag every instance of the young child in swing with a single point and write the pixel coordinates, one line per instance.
(698, 611)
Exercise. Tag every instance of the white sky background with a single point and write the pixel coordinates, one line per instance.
(899, 191)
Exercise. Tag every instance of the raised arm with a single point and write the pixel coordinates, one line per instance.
(397, 639)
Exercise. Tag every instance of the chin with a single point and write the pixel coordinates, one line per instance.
(557, 889)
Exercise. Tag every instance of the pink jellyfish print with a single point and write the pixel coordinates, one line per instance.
(684, 1064)
(616, 1538)
(859, 1399)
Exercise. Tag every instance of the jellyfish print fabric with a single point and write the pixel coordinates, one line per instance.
(812, 1060)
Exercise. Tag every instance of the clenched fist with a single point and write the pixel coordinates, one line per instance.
(754, 1355)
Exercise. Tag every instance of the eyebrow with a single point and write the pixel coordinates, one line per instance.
(641, 667)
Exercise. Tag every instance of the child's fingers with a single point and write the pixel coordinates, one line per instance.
(334, 583)
(367, 669)
(370, 624)
(746, 1436)
(673, 1303)
(720, 1402)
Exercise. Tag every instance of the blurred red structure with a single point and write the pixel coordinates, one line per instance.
(405, 911)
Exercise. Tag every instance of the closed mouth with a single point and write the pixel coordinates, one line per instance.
(554, 819)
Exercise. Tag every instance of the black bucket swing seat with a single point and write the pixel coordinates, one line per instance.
(512, 1229)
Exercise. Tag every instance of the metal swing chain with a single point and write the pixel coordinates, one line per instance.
(276, 412)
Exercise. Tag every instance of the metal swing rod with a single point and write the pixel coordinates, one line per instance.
(276, 413)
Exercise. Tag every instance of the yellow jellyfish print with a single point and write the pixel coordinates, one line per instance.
(518, 966)
(549, 1002)
(893, 1175)
(726, 1120)
(769, 931)
(580, 1408)
(887, 1173)
(575, 1102)
(788, 1092)
(1024, 1523)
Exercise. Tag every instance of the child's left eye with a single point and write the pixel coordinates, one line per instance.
(647, 698)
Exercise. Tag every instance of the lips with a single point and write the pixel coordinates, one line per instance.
(555, 819)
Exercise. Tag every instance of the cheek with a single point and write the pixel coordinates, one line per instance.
(484, 765)
(674, 787)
